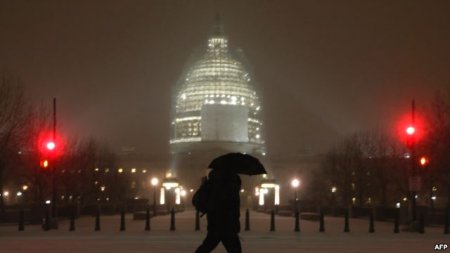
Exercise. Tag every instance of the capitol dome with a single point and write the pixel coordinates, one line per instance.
(215, 99)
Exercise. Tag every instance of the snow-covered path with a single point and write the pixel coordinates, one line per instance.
(185, 239)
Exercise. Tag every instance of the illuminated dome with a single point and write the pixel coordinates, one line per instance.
(215, 99)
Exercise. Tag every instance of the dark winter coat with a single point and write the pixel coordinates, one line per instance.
(224, 202)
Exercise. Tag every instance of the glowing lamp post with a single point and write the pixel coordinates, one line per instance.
(154, 182)
(295, 183)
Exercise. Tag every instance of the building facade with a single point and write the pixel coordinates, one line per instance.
(216, 109)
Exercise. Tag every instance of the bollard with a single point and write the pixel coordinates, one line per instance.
(322, 222)
(147, 219)
(97, 219)
(122, 220)
(421, 223)
(297, 222)
(247, 220)
(397, 222)
(172, 219)
(72, 220)
(371, 222)
(272, 221)
(197, 221)
(447, 221)
(346, 226)
(21, 220)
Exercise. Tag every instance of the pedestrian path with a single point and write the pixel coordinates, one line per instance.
(185, 239)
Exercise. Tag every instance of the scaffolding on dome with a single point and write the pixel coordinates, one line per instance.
(218, 78)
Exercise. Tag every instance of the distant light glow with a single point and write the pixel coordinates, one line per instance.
(277, 195)
(162, 197)
(170, 185)
(269, 185)
(177, 196)
(261, 197)
(45, 164)
(295, 183)
(423, 161)
(154, 181)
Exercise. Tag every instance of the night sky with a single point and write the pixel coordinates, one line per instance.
(325, 68)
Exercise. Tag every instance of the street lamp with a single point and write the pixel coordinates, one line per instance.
(333, 199)
(154, 182)
(295, 183)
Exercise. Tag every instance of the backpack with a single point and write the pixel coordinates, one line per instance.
(200, 198)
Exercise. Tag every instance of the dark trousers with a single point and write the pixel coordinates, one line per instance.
(229, 240)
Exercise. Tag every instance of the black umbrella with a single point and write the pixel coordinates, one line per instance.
(238, 163)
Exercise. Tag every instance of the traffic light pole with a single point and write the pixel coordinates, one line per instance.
(54, 192)
(414, 173)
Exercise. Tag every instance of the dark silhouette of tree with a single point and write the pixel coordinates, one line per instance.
(366, 168)
(437, 141)
(13, 112)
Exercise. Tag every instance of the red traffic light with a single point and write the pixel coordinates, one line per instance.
(50, 145)
(49, 148)
(44, 164)
(410, 130)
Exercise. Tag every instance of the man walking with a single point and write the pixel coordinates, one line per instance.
(223, 212)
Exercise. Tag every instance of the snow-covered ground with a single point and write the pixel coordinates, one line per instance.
(185, 239)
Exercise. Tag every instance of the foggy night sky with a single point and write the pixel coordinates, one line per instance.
(325, 68)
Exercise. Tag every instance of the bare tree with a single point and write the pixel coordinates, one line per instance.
(437, 142)
(87, 166)
(12, 117)
(364, 167)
